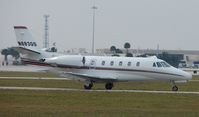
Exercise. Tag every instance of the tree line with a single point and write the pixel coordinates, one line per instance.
(116, 51)
(172, 59)
(9, 51)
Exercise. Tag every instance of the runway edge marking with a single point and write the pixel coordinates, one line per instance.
(119, 91)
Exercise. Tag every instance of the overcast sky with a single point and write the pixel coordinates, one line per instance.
(173, 24)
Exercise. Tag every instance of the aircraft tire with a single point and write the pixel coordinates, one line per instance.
(109, 86)
(88, 86)
(175, 88)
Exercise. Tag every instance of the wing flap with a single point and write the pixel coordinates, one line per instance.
(92, 77)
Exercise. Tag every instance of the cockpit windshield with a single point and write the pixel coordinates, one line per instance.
(161, 64)
(165, 64)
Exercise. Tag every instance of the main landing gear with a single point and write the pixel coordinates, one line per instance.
(89, 84)
(109, 86)
(174, 87)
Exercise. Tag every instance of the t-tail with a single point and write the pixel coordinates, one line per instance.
(25, 39)
(29, 48)
(26, 43)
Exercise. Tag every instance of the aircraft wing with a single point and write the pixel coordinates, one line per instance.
(25, 50)
(92, 77)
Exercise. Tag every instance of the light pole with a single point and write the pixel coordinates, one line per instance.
(93, 39)
(46, 33)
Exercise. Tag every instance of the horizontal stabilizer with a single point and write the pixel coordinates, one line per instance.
(25, 50)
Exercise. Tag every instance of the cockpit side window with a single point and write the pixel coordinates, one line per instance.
(158, 64)
(164, 64)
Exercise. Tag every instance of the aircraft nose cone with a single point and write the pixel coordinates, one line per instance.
(188, 76)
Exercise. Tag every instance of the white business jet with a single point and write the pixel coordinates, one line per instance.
(107, 69)
(93, 69)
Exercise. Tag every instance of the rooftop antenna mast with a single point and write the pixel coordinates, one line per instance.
(46, 33)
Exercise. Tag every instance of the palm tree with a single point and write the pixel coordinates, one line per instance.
(5, 52)
(10, 51)
(127, 46)
(14, 53)
(118, 51)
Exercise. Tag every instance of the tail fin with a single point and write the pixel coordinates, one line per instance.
(25, 39)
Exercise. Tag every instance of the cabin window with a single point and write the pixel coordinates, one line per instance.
(154, 65)
(129, 64)
(103, 63)
(138, 64)
(158, 64)
(92, 62)
(111, 63)
(120, 63)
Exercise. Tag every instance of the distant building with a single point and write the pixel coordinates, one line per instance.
(189, 56)
(76, 51)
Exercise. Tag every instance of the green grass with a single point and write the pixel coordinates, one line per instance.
(20, 103)
(98, 104)
(145, 85)
(26, 74)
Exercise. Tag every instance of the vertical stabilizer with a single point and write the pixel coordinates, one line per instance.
(25, 39)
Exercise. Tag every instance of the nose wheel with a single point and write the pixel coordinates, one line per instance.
(174, 87)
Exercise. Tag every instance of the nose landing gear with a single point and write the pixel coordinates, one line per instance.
(174, 87)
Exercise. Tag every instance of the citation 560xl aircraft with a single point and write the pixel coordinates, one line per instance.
(105, 69)
(93, 69)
